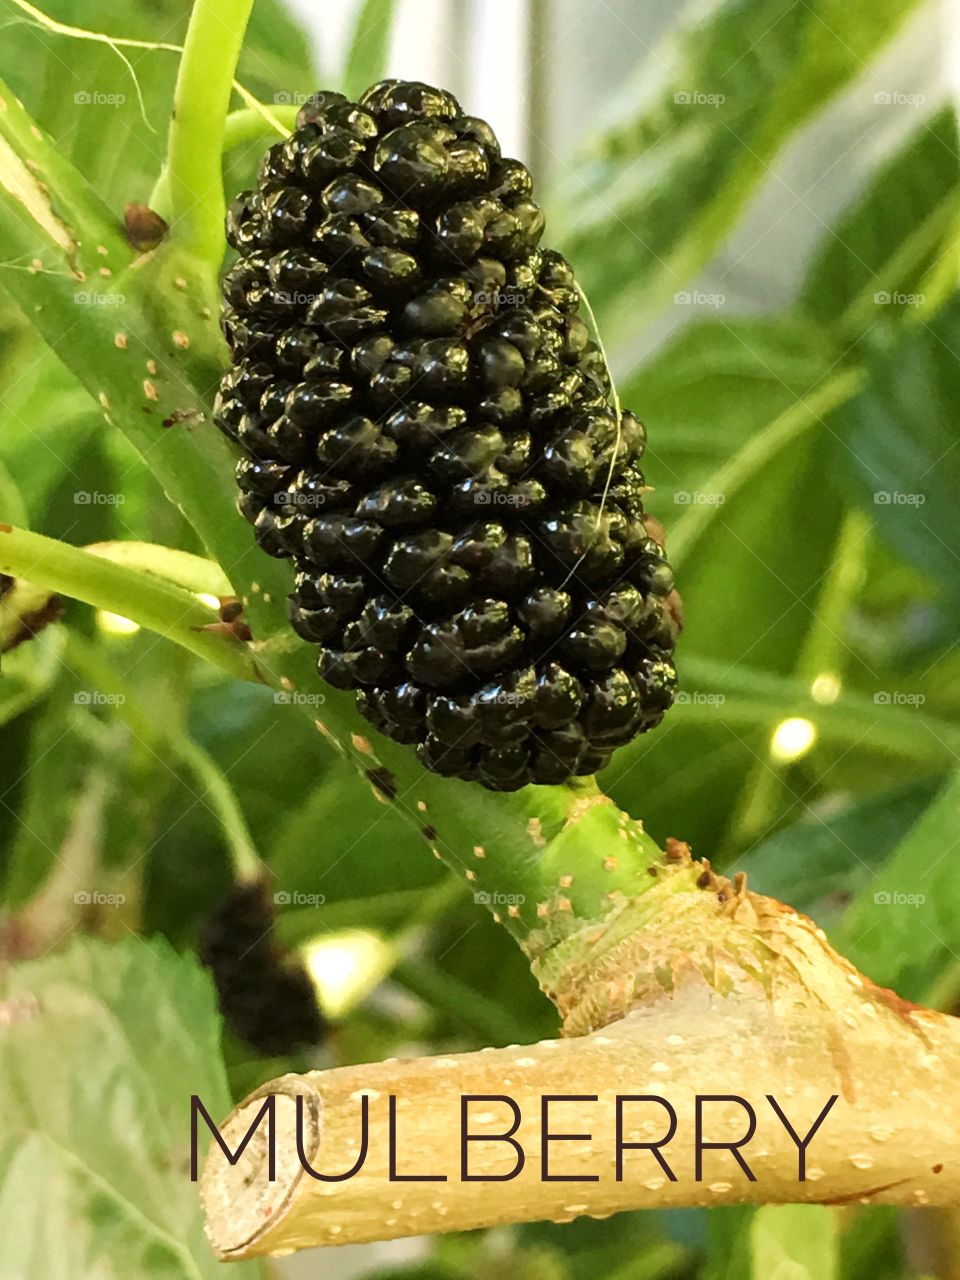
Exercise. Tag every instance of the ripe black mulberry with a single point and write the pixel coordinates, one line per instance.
(265, 993)
(427, 433)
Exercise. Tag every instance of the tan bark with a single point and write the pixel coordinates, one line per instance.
(725, 993)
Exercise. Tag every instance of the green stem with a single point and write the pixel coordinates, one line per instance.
(248, 125)
(182, 568)
(153, 603)
(823, 651)
(85, 660)
(243, 854)
(557, 870)
(189, 192)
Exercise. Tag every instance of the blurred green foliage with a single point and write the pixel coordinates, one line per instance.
(809, 595)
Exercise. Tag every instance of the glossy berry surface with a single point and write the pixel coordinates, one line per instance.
(427, 434)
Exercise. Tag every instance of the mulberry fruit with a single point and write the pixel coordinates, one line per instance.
(266, 996)
(427, 433)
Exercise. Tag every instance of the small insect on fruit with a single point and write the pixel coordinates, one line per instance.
(427, 434)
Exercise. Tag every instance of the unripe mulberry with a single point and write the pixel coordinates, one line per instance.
(427, 434)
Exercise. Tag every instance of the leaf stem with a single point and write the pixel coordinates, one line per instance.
(248, 124)
(224, 803)
(189, 192)
(823, 652)
(154, 603)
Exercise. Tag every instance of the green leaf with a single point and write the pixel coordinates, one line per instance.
(102, 1049)
(903, 929)
(658, 189)
(736, 415)
(12, 506)
(794, 1242)
(818, 863)
(276, 53)
(58, 846)
(899, 438)
(368, 50)
(697, 761)
(28, 672)
(345, 844)
(880, 249)
(50, 419)
(83, 95)
(724, 401)
(86, 98)
(710, 390)
(45, 1199)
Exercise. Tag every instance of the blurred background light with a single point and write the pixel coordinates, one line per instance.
(792, 739)
(116, 624)
(346, 966)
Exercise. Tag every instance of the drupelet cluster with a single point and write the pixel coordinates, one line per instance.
(427, 433)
